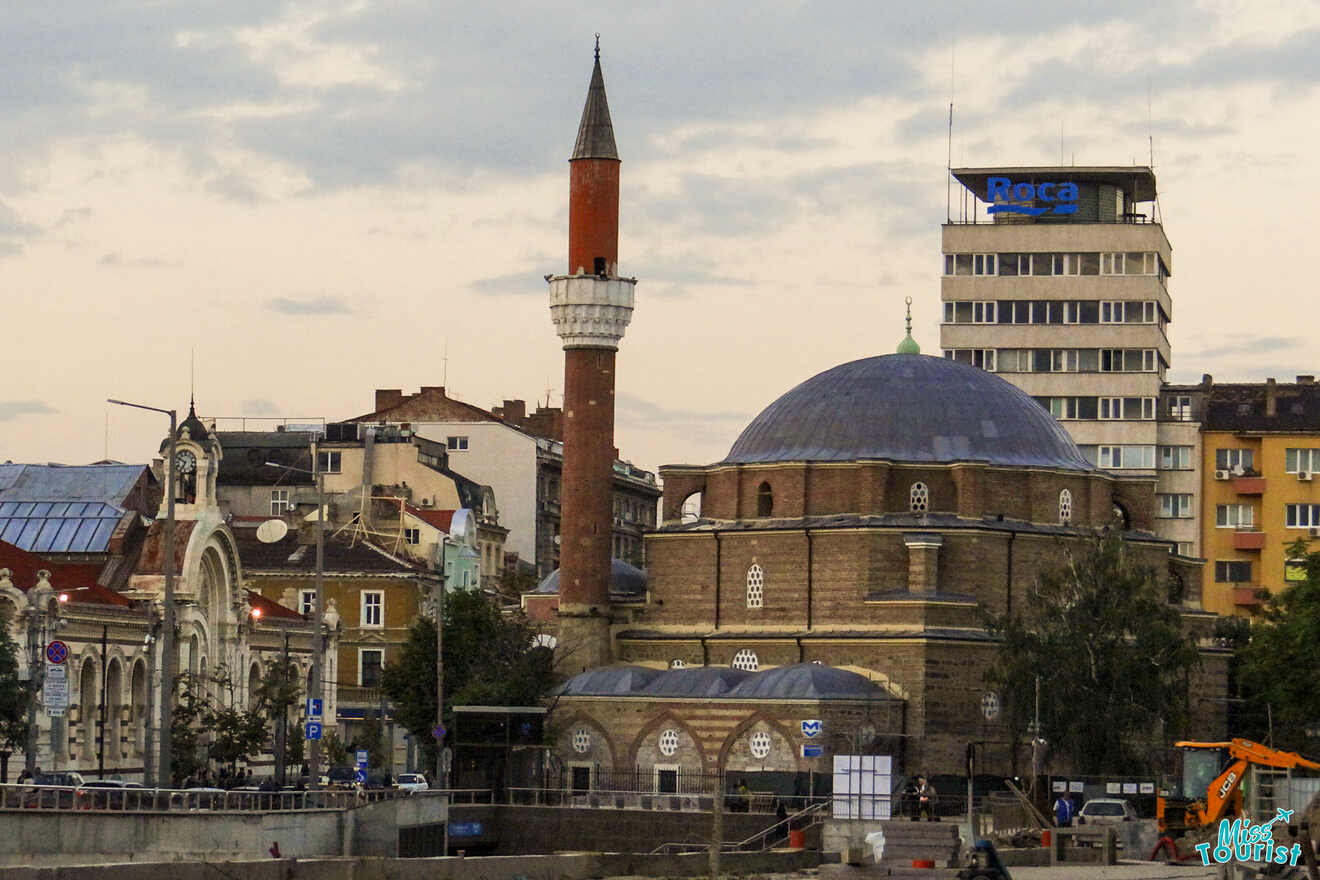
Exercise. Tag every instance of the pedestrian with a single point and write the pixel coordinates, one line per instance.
(781, 812)
(1063, 811)
(925, 797)
(744, 796)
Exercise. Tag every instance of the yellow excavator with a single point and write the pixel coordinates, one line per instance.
(1191, 815)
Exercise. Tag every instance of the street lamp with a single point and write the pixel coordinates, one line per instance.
(169, 665)
(318, 649)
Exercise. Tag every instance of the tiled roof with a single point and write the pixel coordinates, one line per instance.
(440, 519)
(290, 555)
(24, 565)
(270, 608)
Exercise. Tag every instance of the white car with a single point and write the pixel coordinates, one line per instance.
(1105, 811)
(411, 782)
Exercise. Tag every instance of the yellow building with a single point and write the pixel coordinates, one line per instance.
(1260, 449)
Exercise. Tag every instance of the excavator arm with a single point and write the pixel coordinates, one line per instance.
(1223, 795)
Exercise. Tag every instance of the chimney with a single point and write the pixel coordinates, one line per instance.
(428, 389)
(1306, 380)
(388, 398)
(1207, 380)
(1271, 397)
(514, 411)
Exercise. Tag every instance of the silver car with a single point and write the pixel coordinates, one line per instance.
(1105, 811)
(411, 782)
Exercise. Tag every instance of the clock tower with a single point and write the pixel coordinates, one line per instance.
(197, 456)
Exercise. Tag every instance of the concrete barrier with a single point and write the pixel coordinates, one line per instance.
(569, 866)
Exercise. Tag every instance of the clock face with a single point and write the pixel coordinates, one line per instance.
(185, 462)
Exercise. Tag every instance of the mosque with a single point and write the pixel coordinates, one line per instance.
(820, 591)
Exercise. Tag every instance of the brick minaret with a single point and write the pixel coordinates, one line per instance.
(591, 307)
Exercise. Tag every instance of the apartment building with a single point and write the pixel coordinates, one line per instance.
(1260, 454)
(1057, 278)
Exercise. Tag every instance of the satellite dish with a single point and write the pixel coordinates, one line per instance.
(272, 530)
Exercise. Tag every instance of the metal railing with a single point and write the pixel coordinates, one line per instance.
(52, 798)
(812, 814)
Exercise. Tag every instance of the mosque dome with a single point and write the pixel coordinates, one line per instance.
(908, 408)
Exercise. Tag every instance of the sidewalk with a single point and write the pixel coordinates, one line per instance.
(1131, 870)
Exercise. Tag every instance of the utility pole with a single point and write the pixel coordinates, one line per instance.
(318, 639)
(441, 777)
(169, 659)
(100, 722)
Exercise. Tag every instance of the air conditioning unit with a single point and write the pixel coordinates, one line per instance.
(1315, 532)
(1223, 475)
(1305, 476)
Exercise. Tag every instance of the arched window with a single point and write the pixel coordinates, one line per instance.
(669, 742)
(745, 660)
(765, 501)
(919, 498)
(1065, 506)
(755, 587)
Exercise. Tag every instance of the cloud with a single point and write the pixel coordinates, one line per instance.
(1242, 344)
(638, 410)
(319, 305)
(113, 259)
(513, 284)
(12, 409)
(259, 407)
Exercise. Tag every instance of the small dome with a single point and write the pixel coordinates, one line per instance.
(808, 681)
(607, 681)
(908, 408)
(698, 681)
(625, 580)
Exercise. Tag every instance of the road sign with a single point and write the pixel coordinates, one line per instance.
(313, 707)
(990, 705)
(313, 730)
(438, 731)
(811, 727)
(55, 690)
(809, 751)
(360, 775)
(362, 757)
(57, 652)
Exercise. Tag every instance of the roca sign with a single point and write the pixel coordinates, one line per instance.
(1058, 198)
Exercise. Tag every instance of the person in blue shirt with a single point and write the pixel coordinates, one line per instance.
(1063, 811)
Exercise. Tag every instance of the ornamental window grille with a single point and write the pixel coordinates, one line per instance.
(669, 742)
(755, 587)
(760, 744)
(745, 660)
(919, 498)
(677, 663)
(1065, 506)
(581, 740)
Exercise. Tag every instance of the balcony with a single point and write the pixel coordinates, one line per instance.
(1249, 485)
(356, 695)
(1248, 539)
(1249, 595)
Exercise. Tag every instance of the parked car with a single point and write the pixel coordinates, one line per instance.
(102, 794)
(411, 782)
(53, 790)
(1105, 811)
(341, 776)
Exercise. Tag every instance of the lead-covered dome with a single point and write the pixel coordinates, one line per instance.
(911, 408)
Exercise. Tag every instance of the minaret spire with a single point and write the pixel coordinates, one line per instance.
(591, 307)
(909, 345)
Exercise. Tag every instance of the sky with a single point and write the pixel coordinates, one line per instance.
(289, 205)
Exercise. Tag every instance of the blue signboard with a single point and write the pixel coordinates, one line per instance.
(313, 730)
(313, 707)
(362, 757)
(1057, 198)
(361, 774)
(809, 751)
(464, 829)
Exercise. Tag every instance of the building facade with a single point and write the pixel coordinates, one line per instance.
(1260, 451)
(521, 457)
(1057, 279)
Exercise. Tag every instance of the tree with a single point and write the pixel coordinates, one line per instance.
(16, 696)
(336, 753)
(371, 738)
(276, 694)
(1109, 651)
(1279, 665)
(489, 660)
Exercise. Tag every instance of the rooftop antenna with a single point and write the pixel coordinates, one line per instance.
(192, 377)
(444, 364)
(107, 436)
(948, 164)
(1150, 130)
